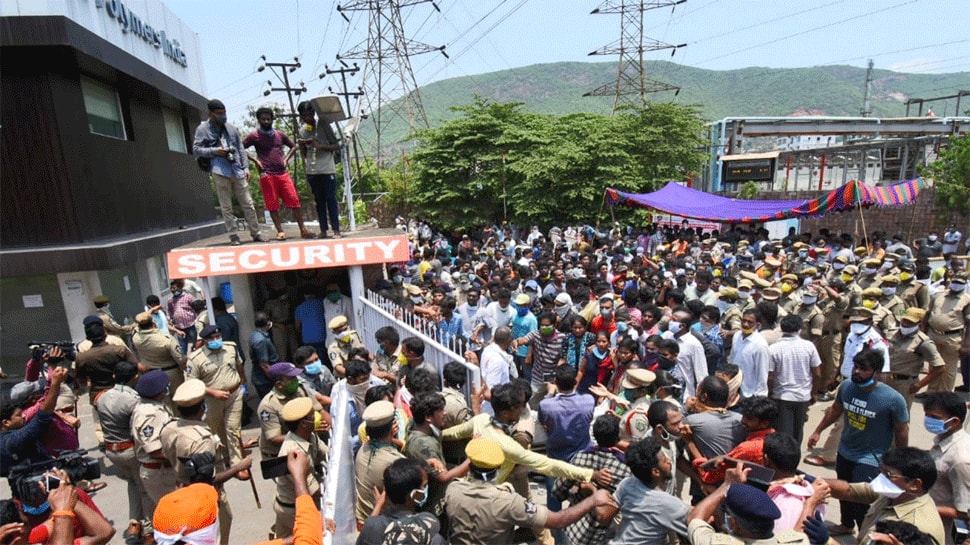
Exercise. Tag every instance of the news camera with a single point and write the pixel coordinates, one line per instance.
(39, 349)
(25, 478)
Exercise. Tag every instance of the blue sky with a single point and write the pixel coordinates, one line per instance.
(927, 36)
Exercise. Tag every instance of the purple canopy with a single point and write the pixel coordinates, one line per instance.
(691, 203)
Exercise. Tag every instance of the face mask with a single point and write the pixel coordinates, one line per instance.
(905, 276)
(870, 270)
(886, 266)
(838, 265)
(561, 311)
(314, 368)
(863, 383)
(727, 526)
(932, 238)
(424, 496)
(786, 288)
(622, 327)
(521, 311)
(846, 278)
(345, 336)
(884, 487)
(503, 308)
(666, 363)
(724, 306)
(935, 425)
(802, 254)
(267, 130)
(809, 299)
(36, 511)
(907, 331)
(397, 279)
(546, 330)
(291, 388)
(176, 293)
(417, 299)
(957, 287)
(744, 295)
(606, 314)
(747, 330)
(334, 296)
(215, 345)
(869, 303)
(859, 328)
(889, 291)
(674, 327)
(222, 118)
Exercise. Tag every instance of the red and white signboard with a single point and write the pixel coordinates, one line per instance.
(672, 220)
(312, 254)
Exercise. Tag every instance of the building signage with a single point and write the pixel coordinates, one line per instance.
(196, 262)
(757, 170)
(132, 22)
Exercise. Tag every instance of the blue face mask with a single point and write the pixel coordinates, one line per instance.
(521, 311)
(935, 425)
(424, 497)
(222, 118)
(621, 327)
(176, 293)
(215, 345)
(36, 511)
(314, 368)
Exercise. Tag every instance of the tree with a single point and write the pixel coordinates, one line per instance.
(749, 191)
(547, 169)
(951, 175)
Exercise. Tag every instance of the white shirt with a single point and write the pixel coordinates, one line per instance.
(469, 321)
(855, 343)
(343, 307)
(691, 362)
(951, 240)
(792, 359)
(495, 370)
(751, 355)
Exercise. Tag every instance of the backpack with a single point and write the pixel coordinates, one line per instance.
(205, 163)
(711, 352)
(414, 529)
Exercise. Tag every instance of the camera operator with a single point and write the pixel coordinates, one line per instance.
(61, 435)
(20, 440)
(61, 517)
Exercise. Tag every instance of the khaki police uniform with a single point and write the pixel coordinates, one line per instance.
(906, 358)
(157, 476)
(894, 305)
(220, 370)
(830, 343)
(885, 321)
(373, 458)
(813, 321)
(270, 412)
(865, 282)
(111, 327)
(285, 505)
(339, 351)
(699, 532)
(914, 294)
(948, 318)
(158, 350)
(481, 513)
(283, 333)
(115, 408)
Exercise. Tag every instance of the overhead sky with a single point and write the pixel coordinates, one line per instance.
(923, 36)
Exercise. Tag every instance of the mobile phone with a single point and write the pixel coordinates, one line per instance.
(51, 482)
(549, 377)
(273, 467)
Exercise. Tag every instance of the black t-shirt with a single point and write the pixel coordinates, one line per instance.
(97, 364)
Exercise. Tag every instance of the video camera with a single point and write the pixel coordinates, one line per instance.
(24, 478)
(39, 349)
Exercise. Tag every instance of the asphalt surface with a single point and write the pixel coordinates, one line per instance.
(252, 524)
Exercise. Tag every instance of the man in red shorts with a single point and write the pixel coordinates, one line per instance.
(274, 179)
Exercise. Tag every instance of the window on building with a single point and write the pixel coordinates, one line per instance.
(174, 130)
(103, 108)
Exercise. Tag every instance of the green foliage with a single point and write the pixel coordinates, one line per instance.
(749, 191)
(951, 175)
(497, 161)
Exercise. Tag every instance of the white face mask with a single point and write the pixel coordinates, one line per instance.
(907, 331)
(809, 299)
(838, 265)
(957, 286)
(884, 487)
(724, 306)
(674, 327)
(889, 291)
(870, 270)
(859, 328)
(744, 295)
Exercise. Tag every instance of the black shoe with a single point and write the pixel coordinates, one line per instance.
(826, 397)
(234, 240)
(258, 237)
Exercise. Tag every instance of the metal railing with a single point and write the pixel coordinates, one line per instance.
(379, 311)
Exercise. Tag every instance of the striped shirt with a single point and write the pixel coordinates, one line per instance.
(792, 360)
(545, 352)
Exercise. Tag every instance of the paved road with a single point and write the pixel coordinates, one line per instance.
(251, 524)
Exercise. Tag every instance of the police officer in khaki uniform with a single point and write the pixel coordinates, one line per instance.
(190, 435)
(909, 350)
(838, 266)
(913, 292)
(482, 512)
(115, 408)
(375, 455)
(833, 305)
(773, 295)
(949, 327)
(852, 289)
(345, 339)
(219, 365)
(158, 350)
(111, 327)
(869, 274)
(890, 300)
(882, 318)
(789, 291)
(813, 321)
(147, 420)
(730, 316)
(298, 416)
(286, 388)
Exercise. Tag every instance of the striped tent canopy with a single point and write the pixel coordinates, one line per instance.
(691, 203)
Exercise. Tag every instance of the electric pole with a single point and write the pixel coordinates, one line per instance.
(390, 89)
(345, 71)
(866, 110)
(632, 84)
(282, 71)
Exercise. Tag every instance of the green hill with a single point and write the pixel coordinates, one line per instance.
(558, 88)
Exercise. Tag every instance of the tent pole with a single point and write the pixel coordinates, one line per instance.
(600, 214)
(865, 234)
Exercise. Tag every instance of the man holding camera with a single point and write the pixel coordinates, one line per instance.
(20, 440)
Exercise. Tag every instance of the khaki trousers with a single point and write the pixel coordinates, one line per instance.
(140, 507)
(225, 187)
(949, 348)
(225, 420)
(156, 483)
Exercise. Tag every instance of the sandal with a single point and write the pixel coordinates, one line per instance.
(94, 486)
(281, 236)
(307, 234)
(817, 461)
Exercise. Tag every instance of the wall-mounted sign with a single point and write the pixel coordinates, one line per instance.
(254, 258)
(756, 170)
(132, 22)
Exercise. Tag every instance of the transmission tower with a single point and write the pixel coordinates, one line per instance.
(390, 90)
(632, 84)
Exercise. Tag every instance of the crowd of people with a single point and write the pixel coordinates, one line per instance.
(657, 383)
